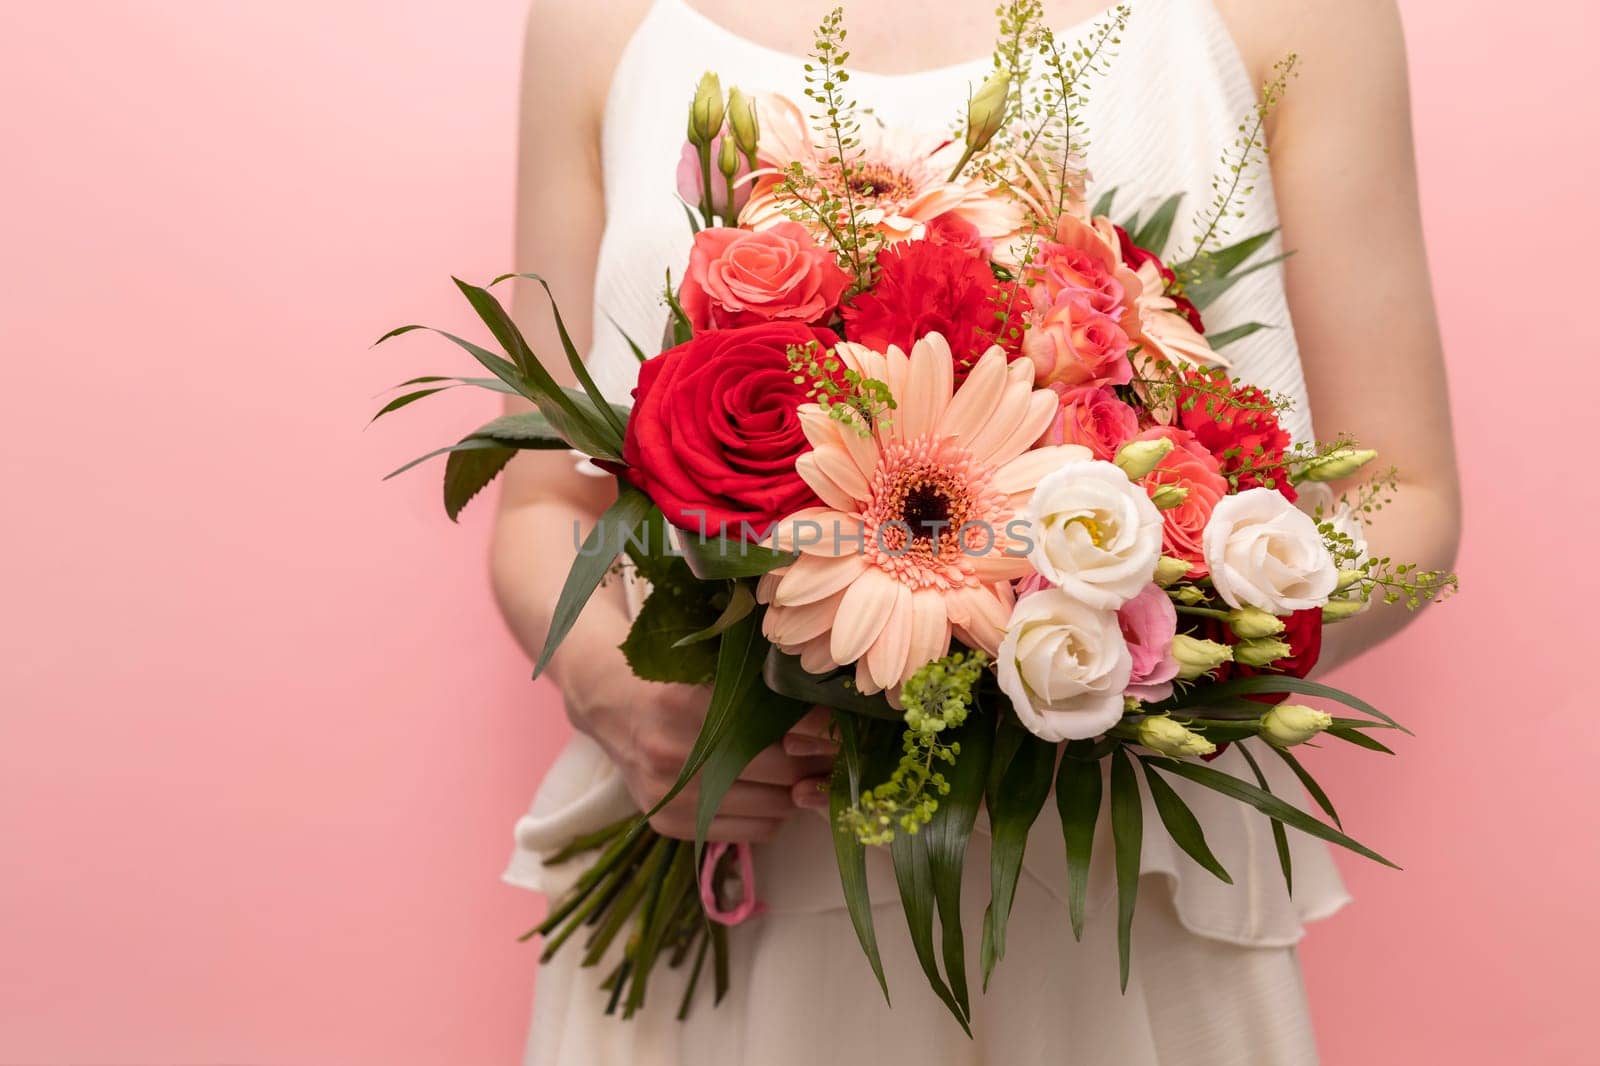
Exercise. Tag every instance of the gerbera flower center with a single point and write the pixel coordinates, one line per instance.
(878, 181)
(931, 512)
(927, 511)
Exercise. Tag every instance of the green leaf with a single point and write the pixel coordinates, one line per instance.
(1182, 825)
(574, 358)
(1102, 206)
(633, 345)
(669, 615)
(1237, 333)
(600, 549)
(1017, 792)
(1127, 842)
(468, 471)
(1249, 686)
(915, 880)
(1078, 789)
(844, 792)
(1265, 802)
(784, 674)
(741, 601)
(406, 400)
(1222, 262)
(1354, 736)
(746, 737)
(713, 558)
(506, 371)
(1205, 293)
(1313, 789)
(1153, 234)
(682, 329)
(463, 446)
(1280, 838)
(948, 833)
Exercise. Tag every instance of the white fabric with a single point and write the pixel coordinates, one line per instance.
(1214, 976)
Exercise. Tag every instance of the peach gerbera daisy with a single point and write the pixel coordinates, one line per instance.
(914, 545)
(898, 183)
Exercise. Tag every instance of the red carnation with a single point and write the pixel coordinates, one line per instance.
(1238, 424)
(714, 432)
(1135, 257)
(1302, 631)
(924, 287)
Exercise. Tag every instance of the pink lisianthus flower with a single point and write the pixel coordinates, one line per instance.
(1149, 621)
(689, 179)
(1093, 417)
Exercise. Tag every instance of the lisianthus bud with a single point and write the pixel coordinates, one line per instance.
(743, 122)
(1197, 657)
(1293, 723)
(1169, 496)
(1341, 462)
(1339, 610)
(1348, 578)
(1138, 457)
(1250, 622)
(1172, 738)
(1170, 571)
(705, 110)
(1189, 596)
(987, 111)
(727, 158)
(1260, 652)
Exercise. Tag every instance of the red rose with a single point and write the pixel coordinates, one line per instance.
(1135, 257)
(714, 433)
(923, 288)
(1302, 631)
(740, 277)
(1238, 425)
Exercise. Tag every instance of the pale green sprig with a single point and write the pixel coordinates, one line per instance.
(846, 395)
(937, 699)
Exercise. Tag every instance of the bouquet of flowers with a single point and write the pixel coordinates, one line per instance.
(934, 443)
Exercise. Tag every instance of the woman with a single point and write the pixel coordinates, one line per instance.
(1215, 978)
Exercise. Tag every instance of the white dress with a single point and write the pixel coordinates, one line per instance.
(1214, 981)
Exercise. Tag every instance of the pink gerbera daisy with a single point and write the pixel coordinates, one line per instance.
(914, 544)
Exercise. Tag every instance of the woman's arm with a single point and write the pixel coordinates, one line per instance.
(646, 728)
(1358, 285)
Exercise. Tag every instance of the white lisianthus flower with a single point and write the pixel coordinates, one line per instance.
(1096, 535)
(1264, 553)
(1064, 665)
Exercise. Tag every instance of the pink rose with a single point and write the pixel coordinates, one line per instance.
(1072, 344)
(1093, 417)
(1149, 622)
(1189, 465)
(689, 178)
(1061, 268)
(739, 277)
(950, 228)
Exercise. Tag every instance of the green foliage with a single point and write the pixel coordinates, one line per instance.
(1243, 159)
(861, 403)
(1019, 783)
(936, 700)
(1078, 789)
(850, 769)
(600, 549)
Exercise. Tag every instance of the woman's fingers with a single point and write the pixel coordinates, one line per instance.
(812, 735)
(810, 792)
(776, 767)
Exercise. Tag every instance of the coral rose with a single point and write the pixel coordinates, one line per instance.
(1093, 417)
(1190, 466)
(737, 277)
(1072, 344)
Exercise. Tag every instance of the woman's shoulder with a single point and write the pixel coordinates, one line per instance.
(571, 48)
(1268, 30)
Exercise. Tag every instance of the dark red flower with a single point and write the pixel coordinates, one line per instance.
(714, 433)
(1238, 424)
(1135, 257)
(924, 287)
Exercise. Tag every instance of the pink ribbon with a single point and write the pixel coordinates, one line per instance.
(748, 906)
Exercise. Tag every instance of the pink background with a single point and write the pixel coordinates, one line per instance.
(263, 738)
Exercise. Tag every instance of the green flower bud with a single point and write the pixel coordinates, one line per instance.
(1339, 463)
(1169, 496)
(1189, 596)
(1338, 610)
(1291, 723)
(1172, 738)
(705, 111)
(987, 111)
(1250, 622)
(743, 122)
(728, 158)
(1197, 657)
(1347, 578)
(1138, 457)
(1170, 571)
(1260, 652)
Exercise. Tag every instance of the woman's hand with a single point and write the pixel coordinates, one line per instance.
(648, 728)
